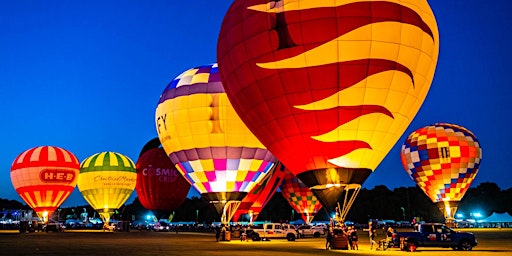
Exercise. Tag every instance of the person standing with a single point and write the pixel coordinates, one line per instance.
(372, 233)
(217, 233)
(354, 239)
(328, 239)
(349, 236)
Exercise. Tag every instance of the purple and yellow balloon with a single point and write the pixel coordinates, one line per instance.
(207, 141)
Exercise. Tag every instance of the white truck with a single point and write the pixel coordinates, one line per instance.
(312, 231)
(272, 230)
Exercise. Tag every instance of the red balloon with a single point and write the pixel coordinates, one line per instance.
(259, 196)
(44, 177)
(328, 86)
(160, 186)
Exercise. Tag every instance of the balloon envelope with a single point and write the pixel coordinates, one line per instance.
(106, 181)
(205, 138)
(259, 196)
(329, 103)
(300, 197)
(443, 159)
(159, 184)
(44, 177)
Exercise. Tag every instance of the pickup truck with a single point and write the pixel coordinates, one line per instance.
(272, 230)
(308, 230)
(436, 235)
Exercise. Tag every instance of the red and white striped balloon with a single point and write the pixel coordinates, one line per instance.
(44, 177)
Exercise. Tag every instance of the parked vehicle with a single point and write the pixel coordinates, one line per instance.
(273, 230)
(311, 231)
(437, 235)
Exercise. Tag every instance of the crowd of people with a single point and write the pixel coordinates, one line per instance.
(351, 234)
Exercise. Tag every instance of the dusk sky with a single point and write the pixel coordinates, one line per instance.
(87, 75)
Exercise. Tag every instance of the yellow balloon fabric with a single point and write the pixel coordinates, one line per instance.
(328, 84)
(205, 138)
(107, 180)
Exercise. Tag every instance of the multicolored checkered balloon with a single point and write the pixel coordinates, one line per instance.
(300, 197)
(443, 159)
(205, 138)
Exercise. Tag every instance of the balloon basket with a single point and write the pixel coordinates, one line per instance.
(225, 236)
(339, 240)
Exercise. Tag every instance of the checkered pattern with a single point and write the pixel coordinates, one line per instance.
(443, 159)
(224, 174)
(204, 137)
(299, 196)
(205, 79)
(202, 74)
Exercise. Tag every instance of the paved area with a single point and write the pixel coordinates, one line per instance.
(491, 242)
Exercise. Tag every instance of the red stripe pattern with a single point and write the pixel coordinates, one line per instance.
(44, 177)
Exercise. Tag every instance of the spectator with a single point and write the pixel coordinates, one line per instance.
(389, 237)
(349, 237)
(328, 239)
(353, 237)
(217, 233)
(372, 233)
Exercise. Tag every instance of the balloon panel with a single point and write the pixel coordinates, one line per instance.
(259, 196)
(107, 179)
(299, 195)
(443, 159)
(204, 137)
(44, 177)
(340, 96)
(160, 186)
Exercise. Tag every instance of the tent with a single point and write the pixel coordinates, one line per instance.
(497, 217)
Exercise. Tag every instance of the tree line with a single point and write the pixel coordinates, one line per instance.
(399, 204)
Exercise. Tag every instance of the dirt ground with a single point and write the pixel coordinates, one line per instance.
(490, 242)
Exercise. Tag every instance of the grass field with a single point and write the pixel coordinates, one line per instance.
(490, 242)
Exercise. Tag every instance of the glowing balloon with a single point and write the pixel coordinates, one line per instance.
(106, 181)
(443, 159)
(300, 197)
(259, 196)
(328, 86)
(206, 140)
(160, 186)
(44, 177)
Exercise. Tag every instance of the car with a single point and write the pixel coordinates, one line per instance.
(162, 226)
(273, 230)
(311, 231)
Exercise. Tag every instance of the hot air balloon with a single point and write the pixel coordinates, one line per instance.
(300, 197)
(329, 103)
(160, 186)
(443, 159)
(44, 177)
(258, 197)
(207, 141)
(106, 181)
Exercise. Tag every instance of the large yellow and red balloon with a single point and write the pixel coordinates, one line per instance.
(106, 181)
(160, 186)
(443, 159)
(328, 86)
(206, 140)
(300, 197)
(44, 177)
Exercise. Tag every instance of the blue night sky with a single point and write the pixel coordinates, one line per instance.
(86, 76)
